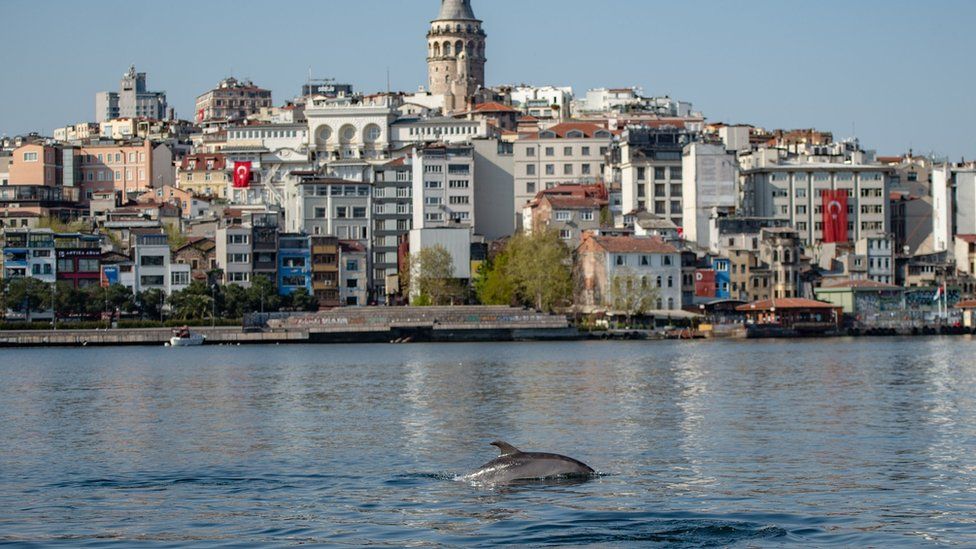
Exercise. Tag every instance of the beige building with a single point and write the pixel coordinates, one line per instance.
(232, 100)
(123, 167)
(573, 152)
(456, 54)
(204, 175)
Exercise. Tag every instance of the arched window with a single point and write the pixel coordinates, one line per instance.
(447, 49)
(372, 133)
(437, 49)
(786, 256)
(775, 256)
(659, 281)
(458, 47)
(470, 49)
(659, 304)
(670, 282)
(670, 303)
(644, 282)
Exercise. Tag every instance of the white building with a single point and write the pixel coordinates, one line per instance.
(652, 262)
(953, 204)
(457, 242)
(133, 100)
(353, 128)
(543, 102)
(710, 177)
(353, 280)
(153, 268)
(443, 186)
(233, 254)
(879, 254)
(415, 131)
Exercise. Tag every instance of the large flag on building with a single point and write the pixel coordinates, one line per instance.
(834, 216)
(242, 175)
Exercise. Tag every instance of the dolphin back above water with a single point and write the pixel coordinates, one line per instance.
(514, 464)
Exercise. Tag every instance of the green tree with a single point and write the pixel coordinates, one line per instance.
(151, 303)
(234, 301)
(632, 294)
(428, 277)
(70, 301)
(540, 269)
(263, 295)
(195, 302)
(494, 284)
(174, 236)
(301, 300)
(28, 295)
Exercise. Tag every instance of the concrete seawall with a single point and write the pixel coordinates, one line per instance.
(353, 325)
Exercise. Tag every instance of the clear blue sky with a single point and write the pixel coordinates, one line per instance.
(899, 72)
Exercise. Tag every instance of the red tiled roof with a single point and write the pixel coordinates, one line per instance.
(633, 244)
(970, 238)
(566, 202)
(890, 159)
(219, 161)
(493, 107)
(588, 129)
(785, 303)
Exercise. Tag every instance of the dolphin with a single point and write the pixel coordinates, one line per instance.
(513, 464)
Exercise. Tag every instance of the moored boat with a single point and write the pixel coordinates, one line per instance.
(183, 337)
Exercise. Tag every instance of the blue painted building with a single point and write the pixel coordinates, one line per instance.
(721, 265)
(294, 263)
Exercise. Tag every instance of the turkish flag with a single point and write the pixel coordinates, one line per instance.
(834, 216)
(242, 175)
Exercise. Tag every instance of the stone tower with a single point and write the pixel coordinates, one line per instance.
(455, 54)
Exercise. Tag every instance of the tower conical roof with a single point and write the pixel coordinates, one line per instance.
(456, 10)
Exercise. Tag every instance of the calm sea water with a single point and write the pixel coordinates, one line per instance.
(843, 442)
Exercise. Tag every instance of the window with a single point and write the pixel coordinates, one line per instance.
(151, 280)
(565, 234)
(562, 215)
(66, 266)
(530, 169)
(459, 200)
(550, 169)
(675, 172)
(352, 283)
(530, 187)
(319, 213)
(666, 260)
(237, 239)
(88, 265)
(459, 184)
(152, 261)
(239, 258)
(586, 169)
(433, 184)
(567, 151)
(586, 215)
(352, 265)
(530, 151)
(359, 212)
(341, 212)
(567, 169)
(432, 200)
(180, 278)
(585, 151)
(659, 173)
(30, 157)
(550, 151)
(641, 173)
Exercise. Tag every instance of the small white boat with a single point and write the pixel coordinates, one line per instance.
(183, 337)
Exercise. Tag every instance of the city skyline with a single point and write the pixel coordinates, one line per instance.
(865, 70)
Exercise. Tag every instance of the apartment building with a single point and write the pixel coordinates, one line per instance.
(650, 165)
(443, 186)
(571, 152)
(792, 191)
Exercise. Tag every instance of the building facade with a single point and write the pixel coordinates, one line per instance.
(133, 100)
(232, 100)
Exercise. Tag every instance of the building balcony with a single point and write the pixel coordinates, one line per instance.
(325, 250)
(326, 268)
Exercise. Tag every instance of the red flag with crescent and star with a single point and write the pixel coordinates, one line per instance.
(834, 216)
(242, 175)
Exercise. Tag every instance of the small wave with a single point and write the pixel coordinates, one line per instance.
(161, 482)
(679, 533)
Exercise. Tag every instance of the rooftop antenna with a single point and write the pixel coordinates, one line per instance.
(388, 81)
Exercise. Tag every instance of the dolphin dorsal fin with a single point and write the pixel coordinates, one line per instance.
(506, 448)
